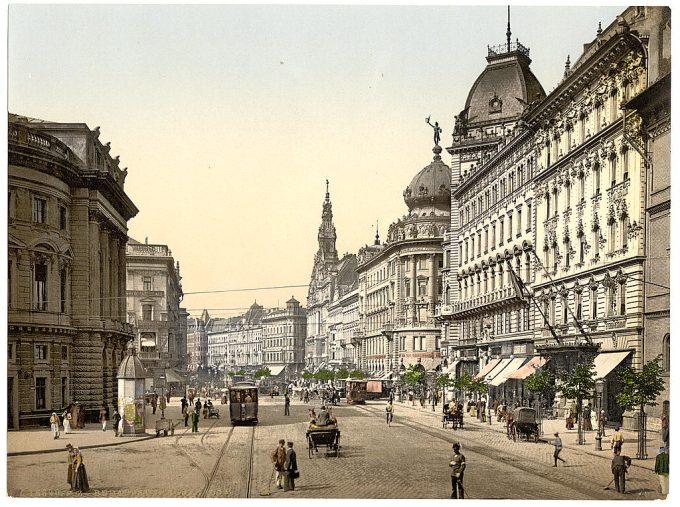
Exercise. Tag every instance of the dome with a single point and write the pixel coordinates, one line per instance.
(431, 186)
(131, 367)
(504, 88)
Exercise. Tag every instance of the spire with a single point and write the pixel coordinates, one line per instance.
(599, 28)
(328, 195)
(567, 67)
(377, 235)
(508, 33)
(327, 234)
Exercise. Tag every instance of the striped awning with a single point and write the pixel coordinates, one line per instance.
(511, 367)
(499, 368)
(607, 361)
(487, 369)
(528, 369)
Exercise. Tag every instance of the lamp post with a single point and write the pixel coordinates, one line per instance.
(599, 388)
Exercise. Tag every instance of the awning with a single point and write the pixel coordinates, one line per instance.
(320, 367)
(452, 368)
(487, 369)
(607, 361)
(148, 343)
(174, 376)
(499, 368)
(512, 367)
(529, 368)
(386, 376)
(276, 370)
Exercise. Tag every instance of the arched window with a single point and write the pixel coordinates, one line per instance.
(667, 353)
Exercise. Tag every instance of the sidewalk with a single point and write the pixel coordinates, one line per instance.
(569, 437)
(40, 440)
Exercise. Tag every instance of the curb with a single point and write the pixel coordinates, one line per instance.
(48, 451)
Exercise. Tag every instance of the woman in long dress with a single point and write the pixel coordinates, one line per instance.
(79, 475)
(54, 425)
(69, 473)
(67, 422)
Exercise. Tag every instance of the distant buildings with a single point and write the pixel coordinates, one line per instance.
(331, 278)
(154, 293)
(67, 230)
(283, 335)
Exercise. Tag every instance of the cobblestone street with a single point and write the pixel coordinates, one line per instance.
(407, 460)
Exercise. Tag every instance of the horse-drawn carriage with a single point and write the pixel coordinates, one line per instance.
(522, 421)
(453, 417)
(323, 435)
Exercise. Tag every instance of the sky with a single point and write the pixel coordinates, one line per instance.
(230, 118)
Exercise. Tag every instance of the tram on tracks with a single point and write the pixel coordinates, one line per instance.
(243, 399)
(355, 392)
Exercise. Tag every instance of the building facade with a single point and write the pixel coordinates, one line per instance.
(343, 322)
(400, 280)
(154, 293)
(283, 339)
(67, 230)
(331, 277)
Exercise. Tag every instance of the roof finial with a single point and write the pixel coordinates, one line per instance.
(377, 236)
(327, 194)
(508, 33)
(567, 66)
(599, 28)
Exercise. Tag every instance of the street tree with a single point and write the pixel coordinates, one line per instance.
(263, 372)
(324, 375)
(342, 374)
(579, 384)
(357, 374)
(641, 388)
(540, 383)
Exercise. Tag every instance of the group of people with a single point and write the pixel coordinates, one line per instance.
(67, 419)
(323, 418)
(194, 413)
(76, 475)
(284, 460)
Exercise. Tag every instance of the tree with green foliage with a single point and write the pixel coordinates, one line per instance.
(478, 386)
(342, 374)
(324, 375)
(541, 383)
(357, 374)
(442, 380)
(641, 388)
(263, 372)
(307, 375)
(414, 376)
(579, 385)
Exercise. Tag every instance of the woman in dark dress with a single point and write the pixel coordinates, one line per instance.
(80, 482)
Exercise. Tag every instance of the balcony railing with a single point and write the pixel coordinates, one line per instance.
(153, 250)
(501, 49)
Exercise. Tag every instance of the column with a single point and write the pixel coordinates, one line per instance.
(94, 246)
(105, 291)
(113, 276)
(433, 280)
(122, 281)
(414, 289)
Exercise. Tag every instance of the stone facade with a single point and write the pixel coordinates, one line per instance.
(283, 337)
(343, 322)
(400, 280)
(68, 213)
(154, 292)
(331, 278)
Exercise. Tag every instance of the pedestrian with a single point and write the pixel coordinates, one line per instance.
(67, 417)
(183, 403)
(457, 464)
(601, 423)
(306, 396)
(290, 469)
(665, 432)
(617, 439)
(116, 421)
(54, 425)
(80, 482)
(81, 417)
(197, 406)
(286, 404)
(620, 466)
(69, 472)
(661, 470)
(389, 413)
(167, 396)
(102, 416)
(121, 425)
(195, 417)
(587, 423)
(558, 448)
(278, 460)
(154, 403)
(185, 414)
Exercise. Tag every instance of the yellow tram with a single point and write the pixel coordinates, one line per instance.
(355, 392)
(243, 403)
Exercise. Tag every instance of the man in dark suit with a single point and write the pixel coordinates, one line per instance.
(290, 469)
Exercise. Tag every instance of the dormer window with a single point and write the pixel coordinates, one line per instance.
(495, 104)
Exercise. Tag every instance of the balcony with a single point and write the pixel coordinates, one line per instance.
(145, 293)
(443, 311)
(148, 250)
(496, 298)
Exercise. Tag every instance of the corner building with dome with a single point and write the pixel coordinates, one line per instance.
(400, 280)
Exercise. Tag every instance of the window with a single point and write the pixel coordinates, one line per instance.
(10, 351)
(581, 187)
(40, 286)
(147, 312)
(582, 128)
(528, 217)
(147, 283)
(41, 352)
(509, 226)
(64, 352)
(612, 297)
(40, 393)
(62, 291)
(567, 190)
(519, 222)
(62, 218)
(667, 353)
(64, 390)
(547, 206)
(422, 287)
(407, 287)
(579, 306)
(612, 169)
(565, 310)
(582, 249)
(502, 233)
(422, 262)
(625, 165)
(596, 175)
(622, 298)
(623, 231)
(493, 235)
(39, 210)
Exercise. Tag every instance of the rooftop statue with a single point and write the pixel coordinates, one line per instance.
(437, 130)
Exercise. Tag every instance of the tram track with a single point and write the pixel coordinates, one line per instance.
(493, 454)
(251, 462)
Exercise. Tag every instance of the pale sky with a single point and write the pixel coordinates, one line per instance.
(231, 118)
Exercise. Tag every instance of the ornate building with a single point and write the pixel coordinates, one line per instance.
(331, 277)
(67, 214)
(400, 281)
(154, 292)
(343, 322)
(197, 341)
(283, 336)
(486, 320)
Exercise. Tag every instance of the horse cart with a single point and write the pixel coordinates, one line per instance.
(524, 423)
(453, 417)
(323, 435)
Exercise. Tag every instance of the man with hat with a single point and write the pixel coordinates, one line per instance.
(457, 464)
(620, 465)
(69, 473)
(661, 470)
(558, 448)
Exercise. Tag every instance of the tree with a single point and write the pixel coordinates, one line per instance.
(579, 385)
(324, 375)
(357, 374)
(442, 380)
(413, 376)
(342, 373)
(263, 372)
(306, 375)
(478, 386)
(540, 382)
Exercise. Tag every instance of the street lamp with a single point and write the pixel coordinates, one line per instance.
(599, 388)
